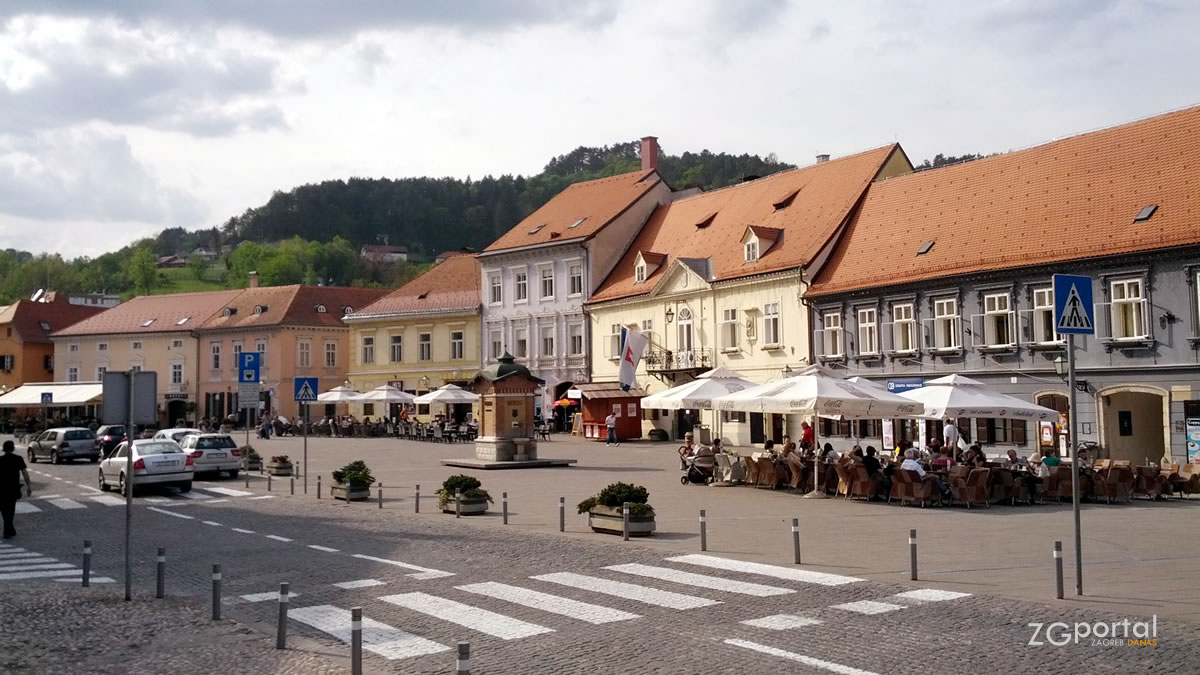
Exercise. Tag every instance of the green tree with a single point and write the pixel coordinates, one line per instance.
(143, 270)
(280, 269)
(198, 265)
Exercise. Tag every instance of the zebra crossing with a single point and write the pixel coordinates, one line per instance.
(18, 564)
(199, 495)
(671, 587)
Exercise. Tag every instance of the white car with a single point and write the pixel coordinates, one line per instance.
(175, 434)
(213, 453)
(156, 462)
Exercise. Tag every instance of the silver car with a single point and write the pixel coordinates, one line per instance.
(213, 453)
(176, 434)
(57, 445)
(158, 463)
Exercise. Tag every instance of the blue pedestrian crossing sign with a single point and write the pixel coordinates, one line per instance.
(47, 398)
(248, 363)
(1074, 313)
(306, 389)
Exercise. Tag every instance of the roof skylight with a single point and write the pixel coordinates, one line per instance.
(1145, 213)
(925, 248)
(147, 322)
(536, 229)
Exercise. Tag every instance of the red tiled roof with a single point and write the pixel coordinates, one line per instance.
(162, 313)
(652, 258)
(827, 192)
(1065, 200)
(26, 317)
(294, 305)
(766, 233)
(597, 202)
(450, 286)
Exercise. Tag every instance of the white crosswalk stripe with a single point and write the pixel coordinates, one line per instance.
(488, 623)
(263, 597)
(359, 583)
(37, 571)
(700, 580)
(108, 500)
(786, 573)
(546, 602)
(194, 495)
(868, 607)
(781, 622)
(379, 638)
(929, 595)
(228, 492)
(64, 503)
(620, 589)
(420, 572)
(12, 564)
(18, 553)
(26, 507)
(809, 661)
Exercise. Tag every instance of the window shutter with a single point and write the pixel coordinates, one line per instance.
(980, 429)
(1018, 432)
(844, 427)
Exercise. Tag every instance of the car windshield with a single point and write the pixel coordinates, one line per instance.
(157, 448)
(215, 443)
(114, 431)
(79, 435)
(178, 435)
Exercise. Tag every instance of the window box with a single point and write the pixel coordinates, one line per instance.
(772, 347)
(1129, 344)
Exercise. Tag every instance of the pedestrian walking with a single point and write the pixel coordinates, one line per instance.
(12, 469)
(611, 423)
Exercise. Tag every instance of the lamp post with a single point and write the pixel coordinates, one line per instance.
(670, 315)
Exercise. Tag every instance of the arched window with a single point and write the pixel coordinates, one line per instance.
(684, 319)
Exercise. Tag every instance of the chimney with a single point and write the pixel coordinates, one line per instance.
(650, 153)
(254, 280)
(821, 159)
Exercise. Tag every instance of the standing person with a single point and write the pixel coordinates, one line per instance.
(806, 436)
(12, 469)
(950, 435)
(610, 423)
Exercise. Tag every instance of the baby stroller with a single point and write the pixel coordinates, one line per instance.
(697, 469)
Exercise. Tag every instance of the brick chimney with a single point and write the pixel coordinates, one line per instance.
(254, 280)
(822, 158)
(649, 153)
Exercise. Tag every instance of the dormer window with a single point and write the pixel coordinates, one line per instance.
(645, 265)
(229, 311)
(45, 325)
(751, 249)
(347, 310)
(757, 240)
(259, 309)
(639, 273)
(576, 224)
(320, 309)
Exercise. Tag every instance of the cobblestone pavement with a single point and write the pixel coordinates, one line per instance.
(530, 599)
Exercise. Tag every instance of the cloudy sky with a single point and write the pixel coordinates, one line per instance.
(117, 122)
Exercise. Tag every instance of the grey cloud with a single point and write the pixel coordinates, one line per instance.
(748, 15)
(819, 30)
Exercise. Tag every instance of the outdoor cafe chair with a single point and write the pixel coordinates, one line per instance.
(844, 478)
(766, 473)
(751, 470)
(862, 483)
(1117, 484)
(1190, 473)
(974, 489)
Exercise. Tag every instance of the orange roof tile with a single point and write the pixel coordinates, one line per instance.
(449, 286)
(827, 192)
(154, 314)
(1065, 200)
(26, 317)
(597, 202)
(294, 305)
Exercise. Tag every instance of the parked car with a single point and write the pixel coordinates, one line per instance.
(158, 463)
(68, 443)
(175, 434)
(213, 452)
(109, 436)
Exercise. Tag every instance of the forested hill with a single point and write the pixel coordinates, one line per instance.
(429, 215)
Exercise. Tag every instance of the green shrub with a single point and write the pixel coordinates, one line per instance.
(250, 453)
(586, 505)
(280, 459)
(469, 485)
(641, 510)
(616, 495)
(355, 475)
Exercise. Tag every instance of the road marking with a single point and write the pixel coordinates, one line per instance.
(47, 496)
(262, 497)
(156, 500)
(930, 595)
(323, 548)
(8, 550)
(38, 558)
(787, 573)
(379, 638)
(546, 602)
(238, 529)
(10, 555)
(700, 580)
(36, 571)
(26, 507)
(263, 597)
(215, 501)
(361, 583)
(169, 513)
(212, 522)
(650, 596)
(194, 495)
(228, 492)
(782, 622)
(277, 537)
(94, 580)
(58, 478)
(89, 487)
(422, 572)
(799, 658)
(868, 607)
(66, 504)
(488, 623)
(108, 500)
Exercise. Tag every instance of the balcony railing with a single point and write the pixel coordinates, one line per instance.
(666, 360)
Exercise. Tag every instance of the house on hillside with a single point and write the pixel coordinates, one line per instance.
(171, 261)
(380, 254)
(445, 255)
(103, 300)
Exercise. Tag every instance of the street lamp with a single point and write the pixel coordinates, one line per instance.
(787, 370)
(670, 315)
(1060, 365)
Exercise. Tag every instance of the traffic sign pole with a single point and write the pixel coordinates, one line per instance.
(1075, 466)
(304, 472)
(1074, 315)
(304, 392)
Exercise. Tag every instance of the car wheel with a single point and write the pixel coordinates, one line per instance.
(121, 483)
(32, 456)
(104, 487)
(54, 457)
(233, 474)
(186, 487)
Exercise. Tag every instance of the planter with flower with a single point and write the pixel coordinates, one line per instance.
(604, 510)
(251, 460)
(352, 482)
(472, 498)
(280, 465)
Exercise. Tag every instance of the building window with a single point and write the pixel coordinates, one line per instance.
(733, 416)
(260, 346)
(575, 275)
(397, 348)
(176, 373)
(945, 324)
(72, 373)
(368, 349)
(547, 340)
(997, 320)
(521, 285)
(686, 335)
(497, 295)
(457, 348)
(614, 341)
(997, 431)
(331, 355)
(647, 326)
(425, 347)
(833, 334)
(136, 345)
(495, 337)
(575, 335)
(548, 283)
(176, 344)
(521, 338)
(752, 251)
(868, 331)
(368, 409)
(729, 329)
(215, 352)
(639, 273)
(1128, 310)
(1043, 316)
(73, 347)
(904, 327)
(100, 370)
(237, 355)
(135, 368)
(304, 354)
(101, 346)
(771, 332)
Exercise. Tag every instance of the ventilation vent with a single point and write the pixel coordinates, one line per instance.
(536, 229)
(786, 201)
(708, 220)
(259, 309)
(576, 224)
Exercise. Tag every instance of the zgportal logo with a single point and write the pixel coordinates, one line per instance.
(1124, 633)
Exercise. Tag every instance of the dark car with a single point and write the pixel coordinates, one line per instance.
(58, 445)
(109, 436)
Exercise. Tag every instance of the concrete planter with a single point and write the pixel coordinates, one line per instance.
(346, 493)
(609, 520)
(279, 469)
(470, 506)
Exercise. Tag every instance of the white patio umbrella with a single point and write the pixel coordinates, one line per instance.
(386, 394)
(698, 393)
(339, 394)
(958, 396)
(448, 394)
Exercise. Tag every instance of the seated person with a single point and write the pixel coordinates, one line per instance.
(769, 447)
(874, 469)
(857, 452)
(716, 447)
(944, 460)
(686, 450)
(828, 454)
(788, 446)
(1051, 461)
(911, 464)
(1012, 461)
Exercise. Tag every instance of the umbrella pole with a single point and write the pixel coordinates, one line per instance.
(817, 492)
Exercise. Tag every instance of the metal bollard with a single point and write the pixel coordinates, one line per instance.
(1058, 564)
(247, 480)
(268, 482)
(463, 662)
(504, 506)
(292, 486)
(160, 587)
(458, 503)
(625, 521)
(87, 563)
(796, 540)
(281, 628)
(703, 531)
(356, 641)
(216, 592)
(318, 486)
(381, 495)
(562, 514)
(912, 553)
(417, 500)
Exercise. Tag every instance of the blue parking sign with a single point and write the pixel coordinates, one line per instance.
(1074, 313)
(248, 367)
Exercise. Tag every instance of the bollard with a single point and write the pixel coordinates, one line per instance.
(504, 506)
(160, 586)
(247, 479)
(463, 662)
(796, 540)
(281, 628)
(268, 482)
(417, 500)
(292, 486)
(356, 641)
(625, 521)
(562, 514)
(1058, 563)
(87, 563)
(912, 553)
(458, 503)
(318, 486)
(216, 592)
(381, 495)
(703, 531)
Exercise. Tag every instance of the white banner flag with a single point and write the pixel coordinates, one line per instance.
(633, 345)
